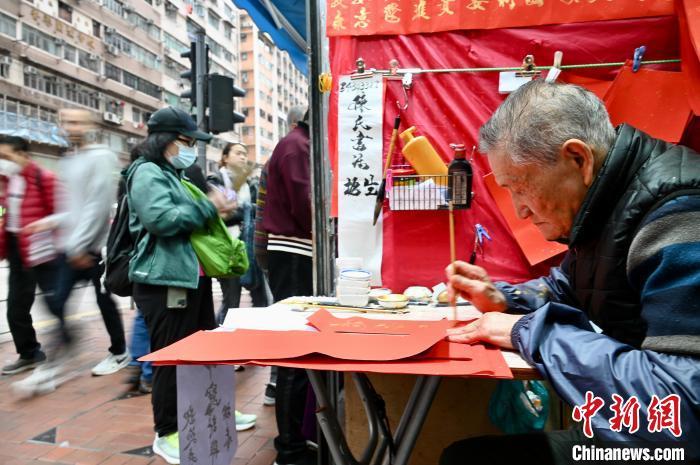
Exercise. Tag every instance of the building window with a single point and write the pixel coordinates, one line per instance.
(174, 44)
(244, 56)
(227, 31)
(8, 25)
(199, 9)
(245, 131)
(115, 6)
(40, 40)
(89, 61)
(112, 72)
(245, 111)
(96, 29)
(244, 76)
(65, 12)
(214, 20)
(135, 115)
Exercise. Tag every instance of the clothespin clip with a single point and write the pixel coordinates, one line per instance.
(555, 70)
(361, 72)
(479, 234)
(394, 71)
(638, 56)
(528, 67)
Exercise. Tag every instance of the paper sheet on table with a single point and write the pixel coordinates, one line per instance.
(534, 246)
(249, 344)
(324, 321)
(275, 318)
(206, 419)
(653, 101)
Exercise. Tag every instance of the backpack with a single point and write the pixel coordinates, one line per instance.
(120, 246)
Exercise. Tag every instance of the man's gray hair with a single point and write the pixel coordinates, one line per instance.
(295, 115)
(533, 123)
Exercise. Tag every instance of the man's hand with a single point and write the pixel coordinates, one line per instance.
(473, 284)
(494, 328)
(39, 226)
(82, 261)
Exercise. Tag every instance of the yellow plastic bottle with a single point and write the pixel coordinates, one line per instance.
(422, 156)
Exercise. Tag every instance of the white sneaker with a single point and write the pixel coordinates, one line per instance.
(245, 421)
(41, 381)
(112, 364)
(168, 447)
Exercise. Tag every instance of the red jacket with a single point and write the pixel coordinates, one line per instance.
(37, 203)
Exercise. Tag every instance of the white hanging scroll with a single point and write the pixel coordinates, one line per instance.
(360, 110)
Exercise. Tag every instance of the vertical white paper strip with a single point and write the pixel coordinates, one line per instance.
(360, 119)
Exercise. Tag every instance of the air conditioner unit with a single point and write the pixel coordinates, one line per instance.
(93, 57)
(110, 30)
(58, 42)
(167, 50)
(6, 60)
(132, 141)
(31, 70)
(170, 64)
(112, 117)
(113, 50)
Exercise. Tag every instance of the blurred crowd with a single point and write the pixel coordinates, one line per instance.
(59, 229)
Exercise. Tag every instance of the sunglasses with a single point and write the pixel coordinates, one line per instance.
(187, 142)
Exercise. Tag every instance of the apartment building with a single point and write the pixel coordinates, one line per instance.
(273, 86)
(103, 56)
(120, 59)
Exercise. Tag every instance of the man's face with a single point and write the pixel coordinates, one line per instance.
(76, 123)
(237, 157)
(7, 152)
(550, 196)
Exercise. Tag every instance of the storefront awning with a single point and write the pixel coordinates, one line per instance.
(32, 129)
(285, 22)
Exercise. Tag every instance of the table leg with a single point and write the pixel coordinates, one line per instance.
(424, 400)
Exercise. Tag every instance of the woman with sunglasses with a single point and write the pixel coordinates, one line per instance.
(169, 287)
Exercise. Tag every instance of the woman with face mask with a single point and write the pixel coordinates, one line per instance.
(168, 285)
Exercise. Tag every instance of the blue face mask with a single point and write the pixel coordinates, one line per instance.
(185, 157)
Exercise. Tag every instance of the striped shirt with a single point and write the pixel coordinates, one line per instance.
(277, 243)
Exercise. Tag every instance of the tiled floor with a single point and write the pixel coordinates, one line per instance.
(96, 420)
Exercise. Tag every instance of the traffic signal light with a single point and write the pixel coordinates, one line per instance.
(190, 74)
(221, 93)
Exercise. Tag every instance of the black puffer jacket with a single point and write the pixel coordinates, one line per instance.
(639, 174)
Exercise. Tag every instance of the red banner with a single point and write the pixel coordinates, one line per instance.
(389, 17)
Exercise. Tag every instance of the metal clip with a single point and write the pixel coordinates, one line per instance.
(406, 84)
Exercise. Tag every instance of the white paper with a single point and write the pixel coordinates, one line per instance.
(206, 414)
(279, 317)
(509, 81)
(360, 119)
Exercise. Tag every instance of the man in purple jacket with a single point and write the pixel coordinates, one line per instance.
(287, 221)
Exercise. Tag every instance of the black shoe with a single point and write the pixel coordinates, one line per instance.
(270, 392)
(24, 364)
(309, 458)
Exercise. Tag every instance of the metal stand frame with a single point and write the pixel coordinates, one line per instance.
(380, 438)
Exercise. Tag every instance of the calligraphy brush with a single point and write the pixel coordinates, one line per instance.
(453, 258)
(382, 188)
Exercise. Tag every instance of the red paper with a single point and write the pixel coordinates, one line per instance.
(356, 18)
(535, 247)
(248, 344)
(324, 321)
(655, 102)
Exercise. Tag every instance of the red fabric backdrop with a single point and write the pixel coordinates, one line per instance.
(451, 108)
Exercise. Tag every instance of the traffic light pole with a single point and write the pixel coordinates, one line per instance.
(199, 90)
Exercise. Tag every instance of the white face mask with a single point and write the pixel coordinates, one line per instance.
(9, 168)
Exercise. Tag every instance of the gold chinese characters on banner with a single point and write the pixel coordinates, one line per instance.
(380, 17)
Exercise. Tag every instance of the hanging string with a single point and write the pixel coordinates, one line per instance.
(415, 71)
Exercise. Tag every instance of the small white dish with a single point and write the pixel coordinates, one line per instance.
(353, 300)
(393, 301)
(355, 275)
(351, 288)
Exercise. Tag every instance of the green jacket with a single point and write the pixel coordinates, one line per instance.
(162, 214)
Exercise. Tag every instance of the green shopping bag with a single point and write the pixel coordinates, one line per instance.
(220, 255)
(519, 406)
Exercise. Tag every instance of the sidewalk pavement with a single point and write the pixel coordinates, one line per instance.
(97, 420)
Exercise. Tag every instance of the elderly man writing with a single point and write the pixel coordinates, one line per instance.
(621, 315)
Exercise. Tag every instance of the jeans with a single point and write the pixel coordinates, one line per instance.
(290, 274)
(66, 279)
(140, 346)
